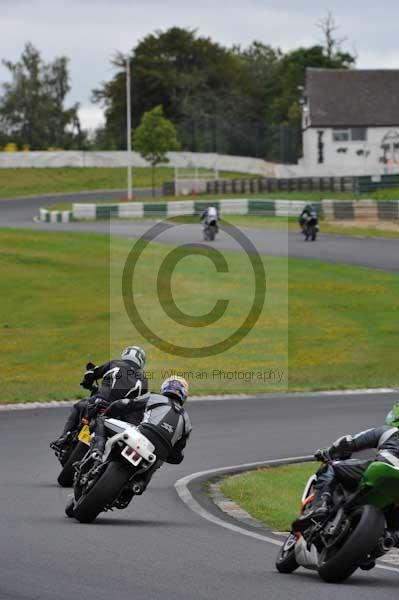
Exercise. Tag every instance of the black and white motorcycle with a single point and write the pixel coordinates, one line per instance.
(112, 484)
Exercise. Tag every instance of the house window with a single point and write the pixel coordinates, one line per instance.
(359, 134)
(354, 134)
(341, 135)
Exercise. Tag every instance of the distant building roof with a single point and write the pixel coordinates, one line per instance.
(352, 98)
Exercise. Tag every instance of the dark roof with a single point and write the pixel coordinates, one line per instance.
(344, 98)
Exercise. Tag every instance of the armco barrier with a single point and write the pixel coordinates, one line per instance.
(338, 210)
(243, 206)
(55, 216)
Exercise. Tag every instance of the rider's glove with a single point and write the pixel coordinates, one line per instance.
(88, 380)
(98, 406)
(323, 455)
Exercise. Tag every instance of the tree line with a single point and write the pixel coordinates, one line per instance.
(243, 101)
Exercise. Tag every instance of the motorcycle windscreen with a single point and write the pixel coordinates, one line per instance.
(382, 481)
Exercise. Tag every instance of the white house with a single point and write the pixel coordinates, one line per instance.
(350, 122)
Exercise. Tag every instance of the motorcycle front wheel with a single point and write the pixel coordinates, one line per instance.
(102, 493)
(366, 525)
(286, 561)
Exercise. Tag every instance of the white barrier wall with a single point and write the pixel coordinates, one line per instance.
(120, 159)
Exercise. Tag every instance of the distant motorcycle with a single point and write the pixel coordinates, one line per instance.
(210, 231)
(112, 484)
(353, 534)
(310, 227)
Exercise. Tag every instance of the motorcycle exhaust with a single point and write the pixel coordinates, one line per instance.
(386, 543)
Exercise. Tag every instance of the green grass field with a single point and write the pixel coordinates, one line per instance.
(30, 182)
(61, 306)
(272, 495)
(16, 183)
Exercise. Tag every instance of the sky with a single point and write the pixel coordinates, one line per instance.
(89, 32)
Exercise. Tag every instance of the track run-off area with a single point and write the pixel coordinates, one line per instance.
(159, 548)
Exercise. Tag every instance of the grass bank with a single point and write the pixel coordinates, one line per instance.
(260, 492)
(30, 182)
(61, 305)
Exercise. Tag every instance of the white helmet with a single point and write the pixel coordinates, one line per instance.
(135, 354)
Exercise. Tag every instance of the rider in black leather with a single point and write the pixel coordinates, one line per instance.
(308, 211)
(339, 467)
(121, 378)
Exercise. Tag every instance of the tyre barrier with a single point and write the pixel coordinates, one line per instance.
(331, 210)
(55, 216)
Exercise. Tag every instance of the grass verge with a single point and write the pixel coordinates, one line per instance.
(30, 182)
(259, 492)
(16, 183)
(335, 327)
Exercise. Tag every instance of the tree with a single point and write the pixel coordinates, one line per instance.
(196, 81)
(227, 100)
(32, 107)
(154, 137)
(329, 27)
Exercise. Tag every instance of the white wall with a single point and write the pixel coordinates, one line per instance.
(120, 159)
(348, 163)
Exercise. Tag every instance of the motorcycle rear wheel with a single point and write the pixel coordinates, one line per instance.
(65, 478)
(103, 493)
(367, 526)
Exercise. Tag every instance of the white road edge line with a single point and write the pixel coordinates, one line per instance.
(216, 398)
(185, 495)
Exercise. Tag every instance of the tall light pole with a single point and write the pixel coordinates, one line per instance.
(129, 130)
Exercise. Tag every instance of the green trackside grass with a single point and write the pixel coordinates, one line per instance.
(30, 182)
(291, 223)
(61, 306)
(16, 183)
(272, 495)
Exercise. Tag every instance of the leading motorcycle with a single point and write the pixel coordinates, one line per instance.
(354, 533)
(112, 484)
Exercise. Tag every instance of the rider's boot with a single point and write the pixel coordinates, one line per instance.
(318, 512)
(368, 565)
(60, 443)
(69, 427)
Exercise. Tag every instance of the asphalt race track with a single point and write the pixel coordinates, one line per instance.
(158, 549)
(375, 253)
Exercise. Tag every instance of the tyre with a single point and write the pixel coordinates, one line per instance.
(286, 561)
(103, 492)
(367, 526)
(69, 508)
(313, 233)
(65, 478)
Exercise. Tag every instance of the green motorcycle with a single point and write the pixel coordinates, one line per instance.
(353, 535)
